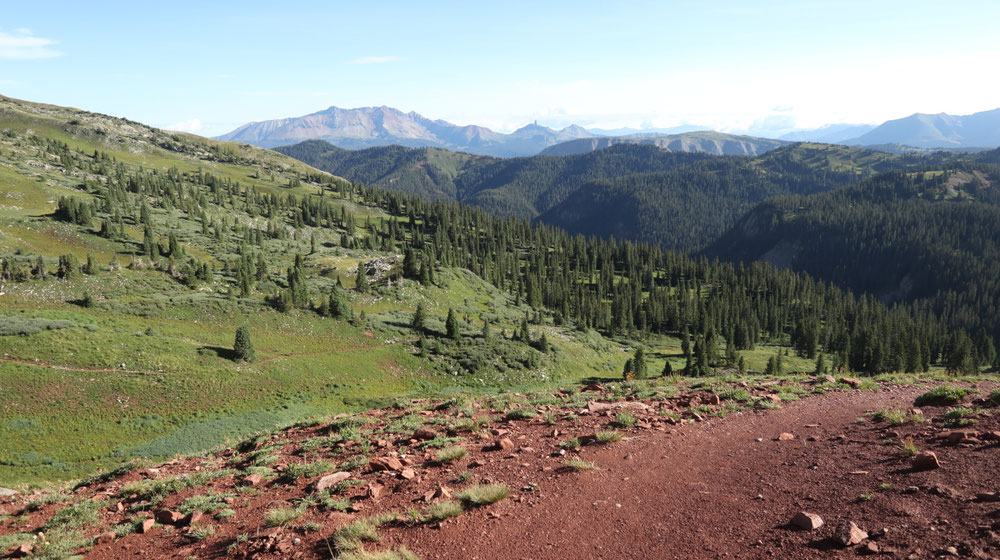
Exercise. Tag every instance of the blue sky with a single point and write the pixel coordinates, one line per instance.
(732, 65)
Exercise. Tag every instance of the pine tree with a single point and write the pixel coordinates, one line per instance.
(628, 372)
(361, 280)
(243, 346)
(639, 363)
(418, 318)
(820, 365)
(668, 369)
(451, 326)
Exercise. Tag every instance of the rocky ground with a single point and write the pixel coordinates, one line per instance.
(719, 471)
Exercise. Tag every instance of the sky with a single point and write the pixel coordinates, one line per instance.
(748, 66)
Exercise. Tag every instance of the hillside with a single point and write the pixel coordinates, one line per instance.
(706, 141)
(916, 237)
(367, 127)
(631, 191)
(978, 130)
(164, 294)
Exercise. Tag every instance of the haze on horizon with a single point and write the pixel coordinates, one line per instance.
(762, 67)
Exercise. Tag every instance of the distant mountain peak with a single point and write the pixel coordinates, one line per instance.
(365, 127)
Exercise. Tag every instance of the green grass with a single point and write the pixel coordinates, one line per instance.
(578, 464)
(279, 517)
(401, 553)
(350, 537)
(604, 437)
(440, 511)
(943, 394)
(453, 453)
(483, 494)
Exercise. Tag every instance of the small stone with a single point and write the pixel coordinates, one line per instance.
(194, 518)
(331, 480)
(7, 492)
(849, 534)
(988, 497)
(785, 436)
(854, 383)
(168, 517)
(385, 464)
(408, 474)
(251, 480)
(504, 444)
(807, 521)
(925, 461)
(21, 551)
(147, 525)
(375, 491)
(951, 551)
(870, 548)
(424, 434)
(106, 538)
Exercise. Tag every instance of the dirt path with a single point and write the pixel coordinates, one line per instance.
(709, 490)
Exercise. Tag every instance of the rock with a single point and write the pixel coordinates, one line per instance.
(408, 474)
(988, 497)
(854, 383)
(828, 379)
(7, 492)
(147, 525)
(504, 444)
(991, 436)
(957, 436)
(21, 551)
(849, 534)
(424, 434)
(106, 538)
(785, 436)
(375, 491)
(807, 521)
(385, 464)
(714, 399)
(870, 548)
(594, 406)
(251, 480)
(944, 491)
(194, 518)
(925, 461)
(774, 398)
(331, 480)
(168, 517)
(880, 533)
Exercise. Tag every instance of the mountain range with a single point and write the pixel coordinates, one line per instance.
(382, 126)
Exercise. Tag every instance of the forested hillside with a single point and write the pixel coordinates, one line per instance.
(638, 192)
(929, 237)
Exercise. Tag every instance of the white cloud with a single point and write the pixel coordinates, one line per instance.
(190, 125)
(22, 45)
(374, 60)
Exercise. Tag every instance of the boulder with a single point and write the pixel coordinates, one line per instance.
(854, 383)
(194, 518)
(925, 461)
(807, 521)
(849, 534)
(331, 480)
(7, 492)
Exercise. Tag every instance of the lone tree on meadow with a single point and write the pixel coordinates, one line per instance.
(243, 346)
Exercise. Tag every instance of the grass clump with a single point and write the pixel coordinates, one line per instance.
(350, 537)
(443, 510)
(401, 553)
(908, 447)
(453, 453)
(625, 419)
(578, 464)
(893, 417)
(995, 397)
(604, 437)
(279, 517)
(960, 416)
(483, 494)
(299, 470)
(522, 413)
(943, 395)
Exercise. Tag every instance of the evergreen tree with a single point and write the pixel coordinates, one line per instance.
(639, 364)
(243, 346)
(361, 280)
(668, 369)
(418, 318)
(628, 372)
(451, 326)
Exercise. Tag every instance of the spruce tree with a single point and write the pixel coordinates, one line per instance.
(419, 318)
(451, 325)
(639, 363)
(668, 369)
(243, 346)
(361, 280)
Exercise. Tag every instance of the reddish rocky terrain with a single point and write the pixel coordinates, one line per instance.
(683, 482)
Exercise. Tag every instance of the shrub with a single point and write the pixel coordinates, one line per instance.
(483, 494)
(908, 447)
(24, 326)
(943, 395)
